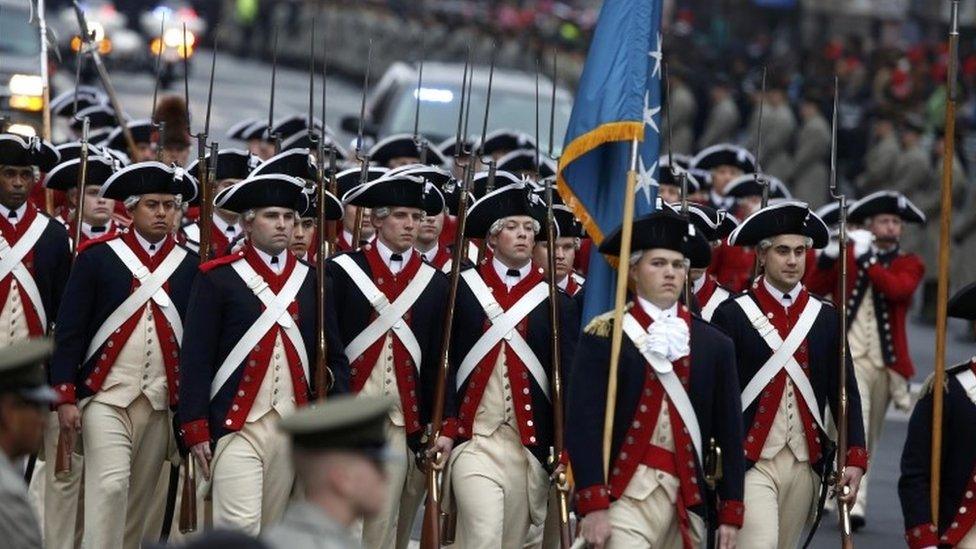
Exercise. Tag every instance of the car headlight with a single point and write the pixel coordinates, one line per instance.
(173, 38)
(26, 84)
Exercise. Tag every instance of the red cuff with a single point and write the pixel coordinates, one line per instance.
(564, 458)
(857, 457)
(923, 535)
(195, 432)
(732, 513)
(594, 498)
(449, 428)
(66, 393)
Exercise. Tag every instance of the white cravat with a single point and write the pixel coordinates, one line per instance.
(786, 299)
(150, 247)
(507, 274)
(274, 262)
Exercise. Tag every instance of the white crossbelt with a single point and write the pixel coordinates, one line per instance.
(11, 262)
(782, 358)
(275, 312)
(718, 296)
(389, 315)
(150, 287)
(967, 379)
(669, 380)
(503, 324)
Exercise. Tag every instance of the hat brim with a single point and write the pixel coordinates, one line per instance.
(787, 217)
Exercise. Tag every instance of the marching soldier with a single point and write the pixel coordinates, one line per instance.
(956, 485)
(677, 393)
(338, 451)
(708, 292)
(392, 306)
(97, 218)
(346, 180)
(303, 238)
(233, 165)
(435, 239)
(501, 142)
(144, 134)
(723, 119)
(118, 349)
(883, 282)
(786, 349)
(24, 401)
(250, 334)
(724, 162)
(34, 253)
(500, 413)
(402, 150)
(669, 187)
(253, 132)
(570, 233)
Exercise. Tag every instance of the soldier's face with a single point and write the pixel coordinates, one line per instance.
(145, 151)
(153, 216)
(695, 274)
(886, 229)
(659, 276)
(271, 228)
(398, 231)
(399, 161)
(97, 210)
(670, 194)
(302, 236)
(785, 261)
(15, 185)
(565, 256)
(721, 177)
(513, 244)
(430, 229)
(349, 222)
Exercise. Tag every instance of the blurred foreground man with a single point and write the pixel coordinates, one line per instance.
(24, 401)
(677, 398)
(339, 453)
(786, 349)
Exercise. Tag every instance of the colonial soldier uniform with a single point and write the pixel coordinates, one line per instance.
(713, 159)
(352, 426)
(118, 347)
(881, 284)
(253, 132)
(498, 394)
(250, 336)
(144, 134)
(786, 348)
(65, 176)
(233, 165)
(708, 292)
(669, 186)
(101, 120)
(392, 306)
(346, 180)
(672, 404)
(957, 485)
(438, 249)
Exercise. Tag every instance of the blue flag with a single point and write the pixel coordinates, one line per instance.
(618, 101)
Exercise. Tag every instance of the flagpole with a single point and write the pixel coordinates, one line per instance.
(623, 268)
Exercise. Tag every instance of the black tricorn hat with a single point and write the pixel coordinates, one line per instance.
(99, 116)
(667, 177)
(294, 163)
(724, 154)
(231, 164)
(142, 132)
(511, 200)
(750, 184)
(238, 130)
(885, 202)
(333, 207)
(64, 176)
(263, 191)
(351, 177)
(664, 228)
(698, 251)
(523, 160)
(788, 217)
(16, 151)
(830, 213)
(567, 226)
(397, 191)
(963, 303)
(504, 140)
(402, 146)
(149, 177)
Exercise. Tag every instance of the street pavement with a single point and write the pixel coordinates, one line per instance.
(242, 90)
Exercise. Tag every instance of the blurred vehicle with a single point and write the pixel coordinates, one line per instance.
(172, 18)
(118, 45)
(21, 87)
(391, 104)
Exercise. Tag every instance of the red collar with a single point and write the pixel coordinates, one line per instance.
(167, 244)
(381, 270)
(572, 287)
(13, 233)
(505, 297)
(644, 319)
(708, 288)
(771, 305)
(276, 281)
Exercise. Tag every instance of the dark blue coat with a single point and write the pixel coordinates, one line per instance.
(98, 285)
(751, 352)
(958, 460)
(713, 392)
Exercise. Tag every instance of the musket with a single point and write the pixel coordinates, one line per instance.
(436, 523)
(491, 163)
(361, 155)
(677, 176)
(274, 137)
(844, 511)
(160, 127)
(419, 140)
(113, 98)
(330, 245)
(948, 159)
(556, 379)
(45, 93)
(759, 174)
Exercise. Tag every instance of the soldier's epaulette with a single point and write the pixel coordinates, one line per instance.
(602, 325)
(225, 260)
(93, 241)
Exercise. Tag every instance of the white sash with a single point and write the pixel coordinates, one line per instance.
(672, 385)
(390, 315)
(782, 358)
(11, 262)
(503, 325)
(967, 379)
(150, 287)
(718, 296)
(275, 312)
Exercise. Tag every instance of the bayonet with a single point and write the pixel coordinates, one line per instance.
(361, 155)
(759, 142)
(419, 141)
(274, 137)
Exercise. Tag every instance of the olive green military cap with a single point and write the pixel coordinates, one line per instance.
(22, 370)
(342, 423)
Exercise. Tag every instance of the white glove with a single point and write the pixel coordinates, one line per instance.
(862, 241)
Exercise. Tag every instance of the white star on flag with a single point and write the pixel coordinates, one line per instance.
(645, 179)
(657, 55)
(650, 112)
